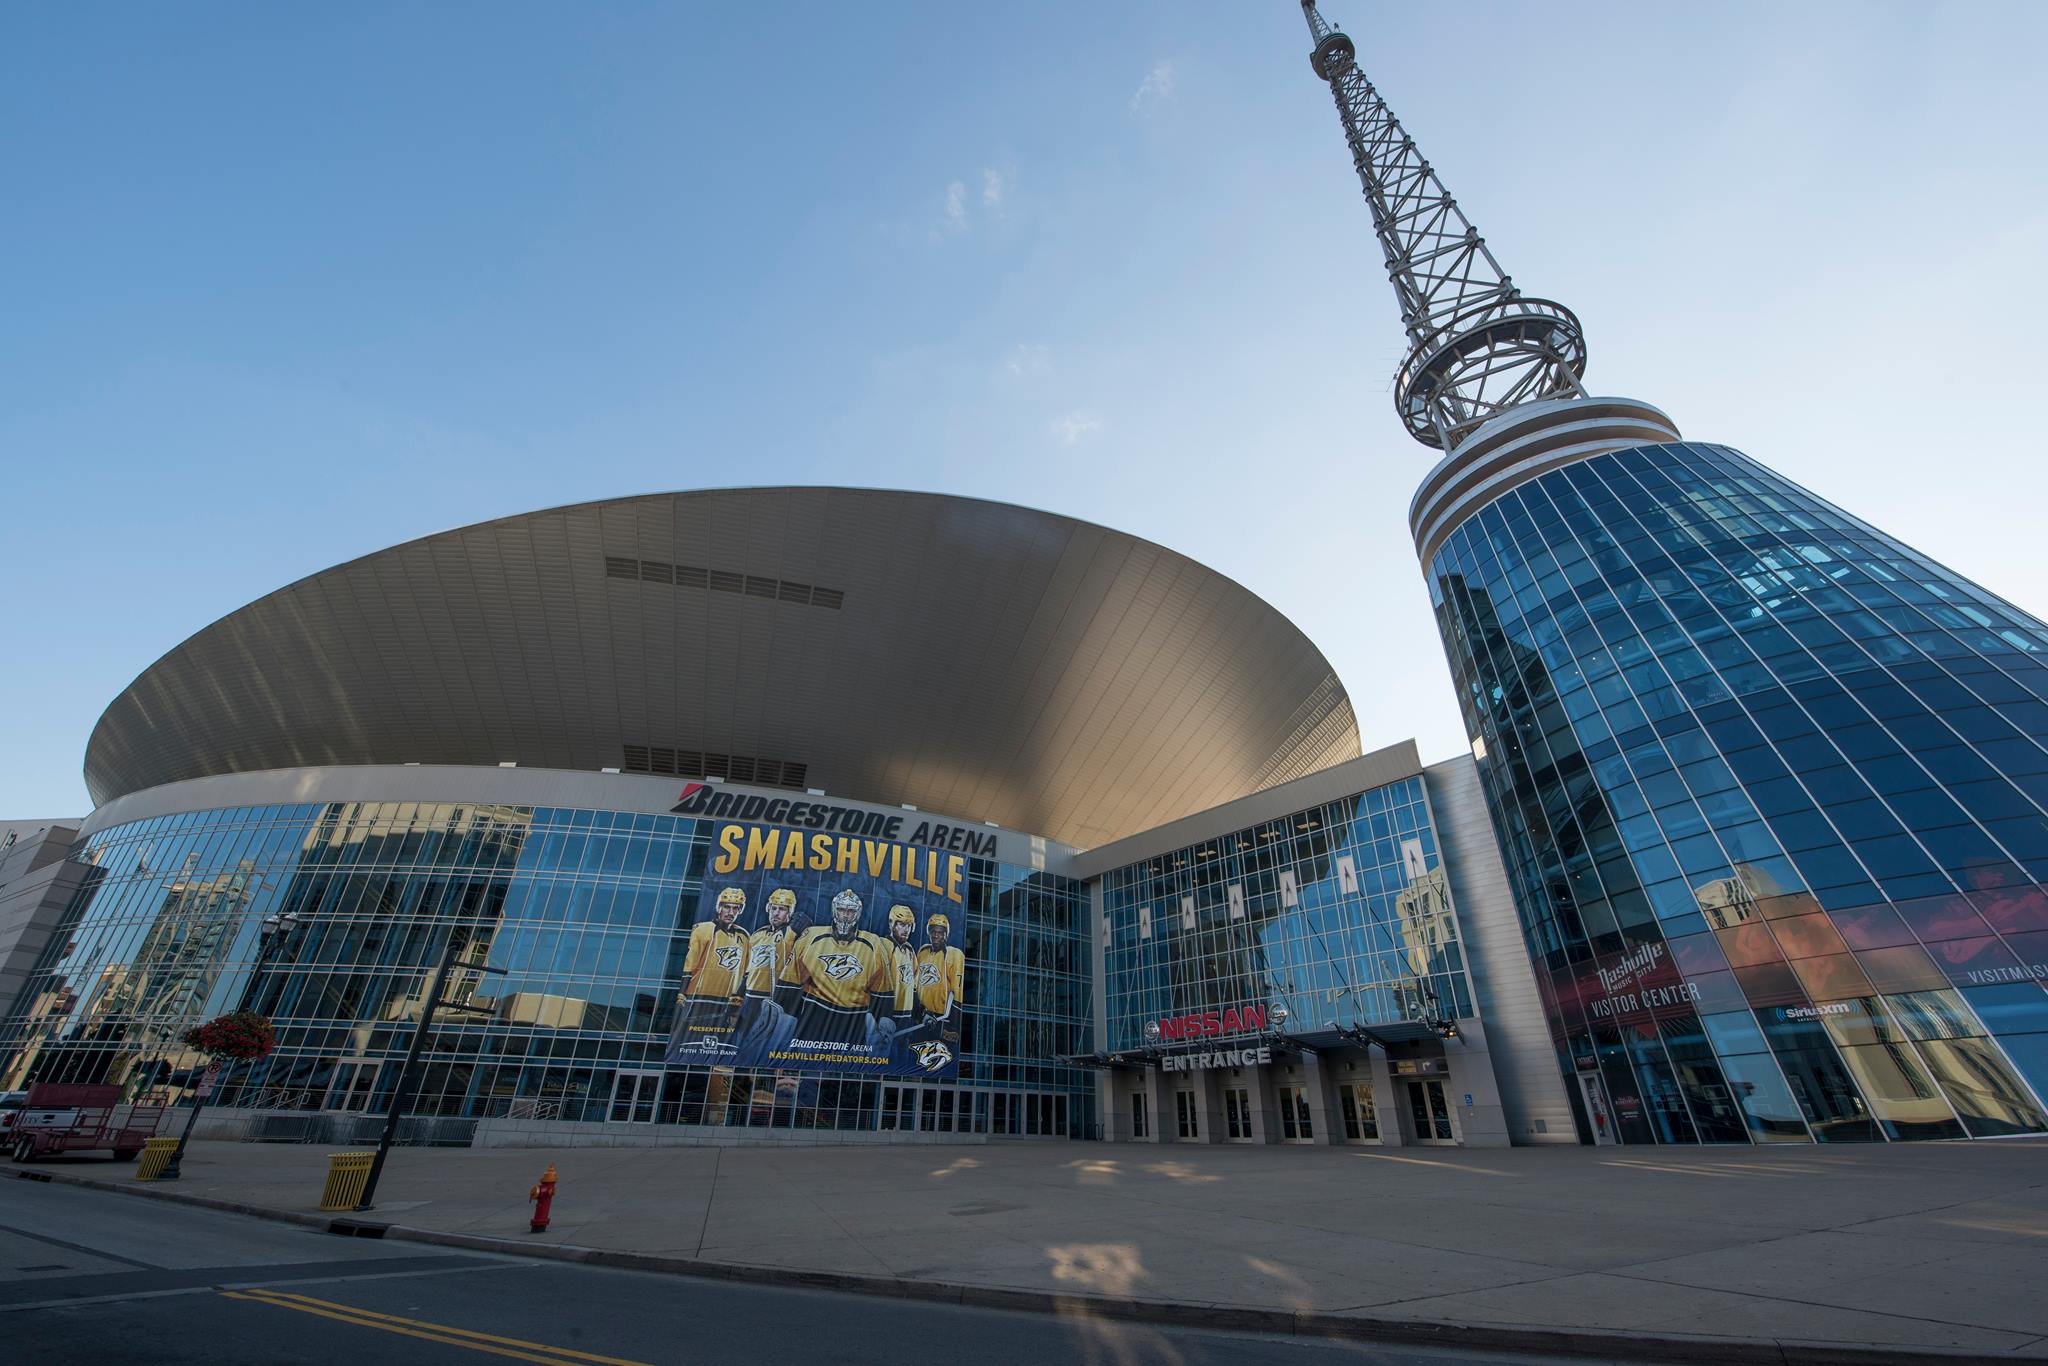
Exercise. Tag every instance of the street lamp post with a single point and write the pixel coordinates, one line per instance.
(401, 1094)
(272, 932)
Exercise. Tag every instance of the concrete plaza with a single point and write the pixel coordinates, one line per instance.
(1929, 1246)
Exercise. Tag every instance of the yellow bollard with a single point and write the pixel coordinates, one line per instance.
(347, 1174)
(156, 1154)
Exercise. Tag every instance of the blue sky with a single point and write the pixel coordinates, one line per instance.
(290, 283)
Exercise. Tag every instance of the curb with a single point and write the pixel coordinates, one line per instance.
(1583, 1342)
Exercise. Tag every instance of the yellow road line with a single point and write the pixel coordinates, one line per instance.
(444, 1328)
(442, 1338)
(432, 1332)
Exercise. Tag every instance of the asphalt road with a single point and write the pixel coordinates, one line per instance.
(107, 1279)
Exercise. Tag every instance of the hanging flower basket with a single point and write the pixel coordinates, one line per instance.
(241, 1036)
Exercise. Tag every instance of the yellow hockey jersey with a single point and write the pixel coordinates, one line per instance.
(768, 953)
(905, 965)
(716, 959)
(941, 977)
(842, 972)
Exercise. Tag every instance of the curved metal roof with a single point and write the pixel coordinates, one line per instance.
(966, 657)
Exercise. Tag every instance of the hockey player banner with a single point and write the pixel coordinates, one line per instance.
(824, 953)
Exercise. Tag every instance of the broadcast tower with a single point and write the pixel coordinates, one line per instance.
(1771, 786)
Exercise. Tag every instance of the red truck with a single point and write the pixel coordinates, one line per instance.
(57, 1118)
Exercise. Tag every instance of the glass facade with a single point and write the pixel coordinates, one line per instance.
(581, 917)
(1770, 787)
(1341, 912)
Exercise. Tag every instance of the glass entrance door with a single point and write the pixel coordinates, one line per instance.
(899, 1108)
(1237, 1114)
(1294, 1122)
(1184, 1113)
(1430, 1113)
(634, 1096)
(1361, 1120)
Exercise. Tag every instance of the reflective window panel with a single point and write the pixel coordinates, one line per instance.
(1772, 789)
(567, 929)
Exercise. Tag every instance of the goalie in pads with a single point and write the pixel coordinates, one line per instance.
(841, 969)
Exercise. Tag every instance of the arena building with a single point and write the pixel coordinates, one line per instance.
(1187, 906)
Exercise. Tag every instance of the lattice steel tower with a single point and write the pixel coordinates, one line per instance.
(1771, 786)
(1476, 345)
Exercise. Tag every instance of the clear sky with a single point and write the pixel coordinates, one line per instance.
(285, 284)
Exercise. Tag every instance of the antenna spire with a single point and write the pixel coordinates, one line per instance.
(1476, 346)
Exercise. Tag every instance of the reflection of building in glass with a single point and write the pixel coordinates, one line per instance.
(1427, 929)
(183, 954)
(39, 1020)
(135, 1009)
(1727, 901)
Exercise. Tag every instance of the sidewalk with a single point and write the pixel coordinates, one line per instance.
(1927, 1246)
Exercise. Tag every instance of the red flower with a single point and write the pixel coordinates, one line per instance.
(240, 1035)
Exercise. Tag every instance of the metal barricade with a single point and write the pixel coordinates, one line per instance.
(156, 1154)
(347, 1174)
(414, 1131)
(290, 1128)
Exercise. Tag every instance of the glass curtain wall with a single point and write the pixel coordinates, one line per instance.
(1773, 795)
(584, 918)
(1341, 912)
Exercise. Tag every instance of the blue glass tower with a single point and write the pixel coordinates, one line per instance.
(1771, 787)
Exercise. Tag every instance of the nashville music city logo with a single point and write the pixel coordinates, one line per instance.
(1626, 971)
(1624, 994)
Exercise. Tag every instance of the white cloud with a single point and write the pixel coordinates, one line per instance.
(1076, 425)
(1029, 358)
(960, 209)
(1155, 89)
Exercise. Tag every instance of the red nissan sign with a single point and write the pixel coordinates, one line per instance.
(1248, 1020)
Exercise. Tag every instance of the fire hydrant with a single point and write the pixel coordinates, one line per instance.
(543, 1197)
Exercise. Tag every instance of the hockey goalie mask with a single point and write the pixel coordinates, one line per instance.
(846, 913)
